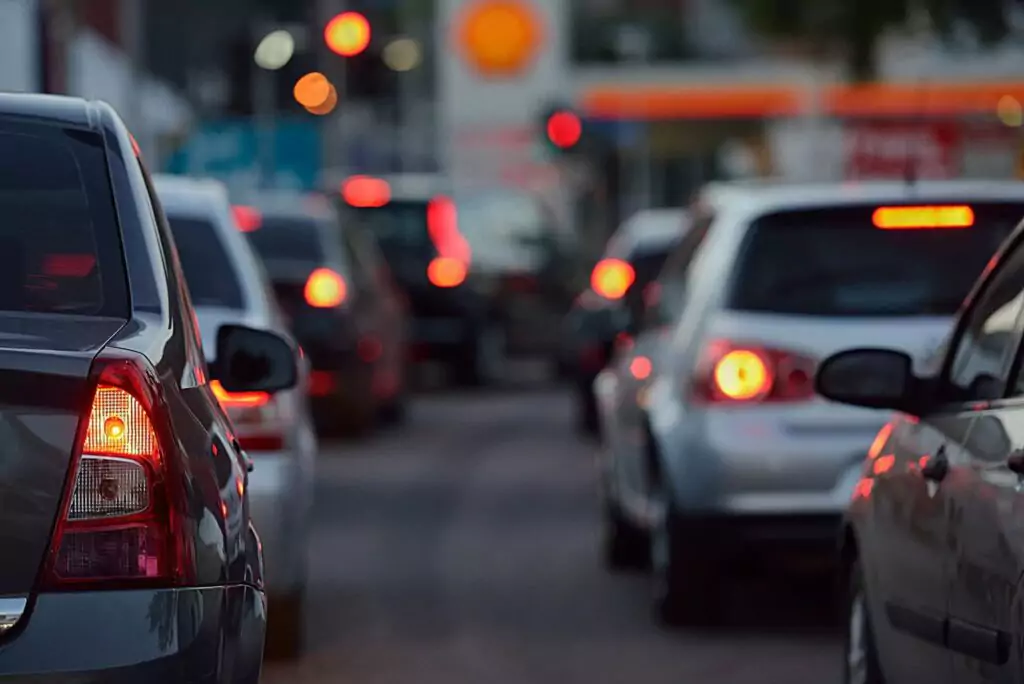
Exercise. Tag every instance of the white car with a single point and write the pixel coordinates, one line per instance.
(733, 456)
(227, 284)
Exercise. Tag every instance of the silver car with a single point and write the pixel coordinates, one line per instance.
(227, 285)
(733, 456)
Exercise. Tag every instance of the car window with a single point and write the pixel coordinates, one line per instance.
(667, 301)
(362, 266)
(210, 273)
(288, 239)
(60, 247)
(984, 353)
(850, 268)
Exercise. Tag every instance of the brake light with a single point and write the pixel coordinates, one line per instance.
(247, 219)
(924, 217)
(365, 192)
(612, 278)
(237, 399)
(325, 289)
(259, 418)
(742, 373)
(640, 367)
(443, 229)
(446, 272)
(121, 521)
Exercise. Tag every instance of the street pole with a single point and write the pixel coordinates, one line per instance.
(131, 20)
(264, 89)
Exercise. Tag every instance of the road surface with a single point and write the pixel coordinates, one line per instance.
(462, 548)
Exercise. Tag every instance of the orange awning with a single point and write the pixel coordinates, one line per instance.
(696, 102)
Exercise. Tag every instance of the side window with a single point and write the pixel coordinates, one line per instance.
(984, 353)
(667, 298)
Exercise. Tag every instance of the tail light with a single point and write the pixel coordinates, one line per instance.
(612, 278)
(446, 272)
(325, 289)
(260, 419)
(122, 520)
(748, 373)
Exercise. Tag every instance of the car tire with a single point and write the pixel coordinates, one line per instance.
(686, 584)
(860, 661)
(625, 546)
(286, 625)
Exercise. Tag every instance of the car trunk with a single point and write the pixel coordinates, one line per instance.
(44, 385)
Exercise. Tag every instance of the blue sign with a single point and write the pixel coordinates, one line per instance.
(284, 155)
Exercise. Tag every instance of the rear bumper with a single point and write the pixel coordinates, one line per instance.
(196, 636)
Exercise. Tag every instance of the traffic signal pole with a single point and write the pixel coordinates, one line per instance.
(264, 93)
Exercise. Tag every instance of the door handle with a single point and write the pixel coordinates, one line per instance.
(1015, 461)
(937, 467)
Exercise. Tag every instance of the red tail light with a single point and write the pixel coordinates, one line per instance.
(443, 228)
(248, 219)
(122, 520)
(366, 192)
(748, 373)
(446, 272)
(612, 278)
(259, 418)
(325, 289)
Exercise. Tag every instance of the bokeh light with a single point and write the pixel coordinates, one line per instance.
(402, 54)
(1009, 111)
(275, 50)
(328, 105)
(312, 90)
(347, 34)
(500, 37)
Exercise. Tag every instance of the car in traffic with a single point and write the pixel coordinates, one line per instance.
(931, 541)
(128, 551)
(341, 304)
(227, 286)
(484, 273)
(600, 318)
(735, 459)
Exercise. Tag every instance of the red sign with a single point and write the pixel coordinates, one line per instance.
(887, 150)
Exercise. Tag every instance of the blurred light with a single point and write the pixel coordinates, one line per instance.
(640, 367)
(275, 50)
(325, 289)
(402, 54)
(366, 192)
(247, 218)
(312, 90)
(564, 129)
(1010, 112)
(328, 105)
(446, 272)
(922, 218)
(500, 37)
(347, 34)
(612, 278)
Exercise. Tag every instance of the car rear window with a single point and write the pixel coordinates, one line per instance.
(399, 227)
(212, 279)
(294, 239)
(835, 262)
(647, 264)
(60, 247)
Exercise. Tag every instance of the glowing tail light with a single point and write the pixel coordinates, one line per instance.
(612, 278)
(325, 289)
(744, 374)
(121, 520)
(443, 229)
(247, 219)
(260, 419)
(366, 192)
(446, 272)
(923, 217)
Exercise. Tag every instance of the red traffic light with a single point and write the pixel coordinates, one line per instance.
(564, 129)
(347, 34)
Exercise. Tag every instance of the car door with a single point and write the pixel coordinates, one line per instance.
(984, 486)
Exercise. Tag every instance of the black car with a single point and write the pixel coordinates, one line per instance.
(123, 505)
(600, 316)
(341, 304)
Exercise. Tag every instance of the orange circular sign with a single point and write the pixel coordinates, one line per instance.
(500, 38)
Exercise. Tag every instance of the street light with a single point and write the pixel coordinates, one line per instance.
(275, 50)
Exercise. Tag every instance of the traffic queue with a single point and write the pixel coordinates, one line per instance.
(824, 376)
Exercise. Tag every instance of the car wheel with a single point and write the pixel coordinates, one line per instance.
(861, 664)
(624, 545)
(686, 585)
(286, 625)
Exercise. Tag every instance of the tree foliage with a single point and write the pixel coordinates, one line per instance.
(853, 28)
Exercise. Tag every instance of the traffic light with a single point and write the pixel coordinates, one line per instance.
(347, 34)
(562, 129)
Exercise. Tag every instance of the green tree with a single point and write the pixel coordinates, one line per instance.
(852, 29)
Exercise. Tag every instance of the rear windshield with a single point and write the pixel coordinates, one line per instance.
(294, 239)
(834, 262)
(400, 228)
(60, 249)
(647, 264)
(211, 276)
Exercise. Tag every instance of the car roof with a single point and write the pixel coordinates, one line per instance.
(405, 187)
(649, 229)
(181, 193)
(70, 111)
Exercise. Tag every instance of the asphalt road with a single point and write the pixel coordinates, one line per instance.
(462, 548)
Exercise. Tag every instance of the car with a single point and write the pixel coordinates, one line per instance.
(124, 518)
(482, 271)
(342, 306)
(735, 459)
(227, 285)
(930, 542)
(600, 316)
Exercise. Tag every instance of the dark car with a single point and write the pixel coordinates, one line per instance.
(932, 542)
(480, 271)
(343, 309)
(123, 505)
(600, 317)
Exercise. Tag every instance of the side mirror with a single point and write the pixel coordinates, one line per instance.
(250, 360)
(873, 378)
